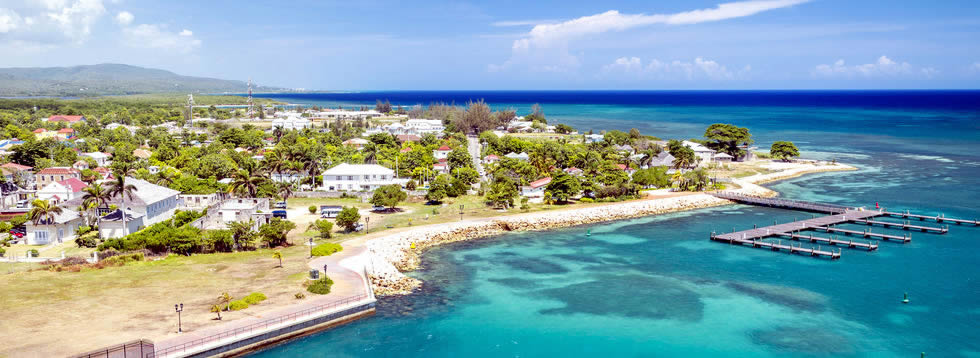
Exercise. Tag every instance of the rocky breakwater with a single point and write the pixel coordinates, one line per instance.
(393, 254)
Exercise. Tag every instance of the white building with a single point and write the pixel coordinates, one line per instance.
(535, 190)
(704, 154)
(292, 122)
(594, 138)
(422, 126)
(149, 205)
(61, 229)
(357, 177)
(442, 152)
(102, 159)
(522, 156)
(62, 191)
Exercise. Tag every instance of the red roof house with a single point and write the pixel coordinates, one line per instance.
(68, 119)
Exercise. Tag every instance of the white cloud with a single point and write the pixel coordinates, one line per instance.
(157, 37)
(546, 45)
(10, 20)
(48, 22)
(883, 67)
(700, 68)
(124, 18)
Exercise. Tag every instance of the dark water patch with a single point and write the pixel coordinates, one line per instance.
(473, 258)
(535, 265)
(637, 296)
(590, 259)
(783, 296)
(804, 340)
(515, 282)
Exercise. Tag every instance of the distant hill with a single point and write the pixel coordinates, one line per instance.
(108, 79)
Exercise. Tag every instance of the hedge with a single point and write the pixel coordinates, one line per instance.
(321, 286)
(327, 249)
(237, 305)
(254, 298)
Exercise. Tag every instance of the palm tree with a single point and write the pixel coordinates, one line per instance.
(277, 255)
(285, 190)
(222, 303)
(166, 177)
(95, 196)
(274, 162)
(119, 187)
(247, 180)
(681, 161)
(42, 210)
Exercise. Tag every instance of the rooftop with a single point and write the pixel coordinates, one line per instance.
(358, 169)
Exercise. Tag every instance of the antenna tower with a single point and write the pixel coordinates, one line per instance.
(251, 108)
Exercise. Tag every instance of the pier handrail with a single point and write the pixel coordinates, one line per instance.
(184, 347)
(789, 203)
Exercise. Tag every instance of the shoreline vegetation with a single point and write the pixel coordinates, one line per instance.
(392, 255)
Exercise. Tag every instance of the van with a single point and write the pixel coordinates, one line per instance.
(279, 214)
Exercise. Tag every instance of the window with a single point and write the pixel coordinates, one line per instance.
(41, 236)
(350, 177)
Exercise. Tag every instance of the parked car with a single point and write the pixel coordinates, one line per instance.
(280, 205)
(378, 208)
(18, 232)
(279, 214)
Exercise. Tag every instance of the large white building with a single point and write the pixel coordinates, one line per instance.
(357, 177)
(292, 122)
(704, 154)
(149, 205)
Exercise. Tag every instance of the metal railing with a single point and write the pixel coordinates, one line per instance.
(137, 348)
(193, 344)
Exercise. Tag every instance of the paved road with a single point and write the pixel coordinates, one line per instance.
(473, 146)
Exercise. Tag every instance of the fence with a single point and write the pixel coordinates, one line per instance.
(255, 327)
(137, 348)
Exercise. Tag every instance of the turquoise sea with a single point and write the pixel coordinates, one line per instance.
(657, 286)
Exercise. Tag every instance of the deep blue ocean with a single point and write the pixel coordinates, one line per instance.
(657, 286)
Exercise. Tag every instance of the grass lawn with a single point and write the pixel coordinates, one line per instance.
(121, 303)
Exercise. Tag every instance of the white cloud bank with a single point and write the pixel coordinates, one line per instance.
(151, 36)
(699, 68)
(124, 18)
(545, 47)
(48, 22)
(884, 67)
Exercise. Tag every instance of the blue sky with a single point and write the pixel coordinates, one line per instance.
(382, 45)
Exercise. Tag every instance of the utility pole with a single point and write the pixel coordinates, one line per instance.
(251, 111)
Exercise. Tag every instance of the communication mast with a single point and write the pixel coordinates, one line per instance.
(251, 110)
(190, 107)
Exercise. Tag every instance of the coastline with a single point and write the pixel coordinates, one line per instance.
(391, 255)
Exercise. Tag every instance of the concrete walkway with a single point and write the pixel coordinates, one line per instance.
(350, 289)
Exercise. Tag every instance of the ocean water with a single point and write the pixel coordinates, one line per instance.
(657, 286)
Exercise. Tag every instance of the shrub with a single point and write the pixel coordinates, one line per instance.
(254, 298)
(327, 249)
(321, 286)
(123, 259)
(300, 295)
(34, 253)
(237, 305)
(312, 209)
(586, 200)
(348, 218)
(2, 251)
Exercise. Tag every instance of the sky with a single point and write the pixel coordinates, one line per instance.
(512, 45)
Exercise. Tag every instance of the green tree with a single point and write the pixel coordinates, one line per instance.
(388, 196)
(438, 188)
(784, 150)
(274, 233)
(459, 158)
(502, 191)
(247, 180)
(652, 177)
(348, 218)
(727, 138)
(323, 227)
(563, 187)
(243, 234)
(278, 255)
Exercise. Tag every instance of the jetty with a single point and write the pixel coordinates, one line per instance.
(833, 215)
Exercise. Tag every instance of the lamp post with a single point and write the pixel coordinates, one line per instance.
(460, 212)
(324, 270)
(311, 247)
(367, 224)
(179, 308)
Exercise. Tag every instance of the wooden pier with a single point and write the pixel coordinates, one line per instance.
(816, 252)
(831, 241)
(938, 218)
(808, 224)
(904, 226)
(866, 234)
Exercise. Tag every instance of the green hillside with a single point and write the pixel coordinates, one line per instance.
(108, 79)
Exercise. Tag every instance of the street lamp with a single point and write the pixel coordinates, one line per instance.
(460, 212)
(311, 247)
(367, 224)
(324, 270)
(179, 308)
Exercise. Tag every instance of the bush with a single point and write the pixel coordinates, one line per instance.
(348, 218)
(254, 298)
(312, 209)
(34, 253)
(123, 259)
(586, 200)
(2, 251)
(327, 249)
(237, 305)
(321, 286)
(300, 295)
